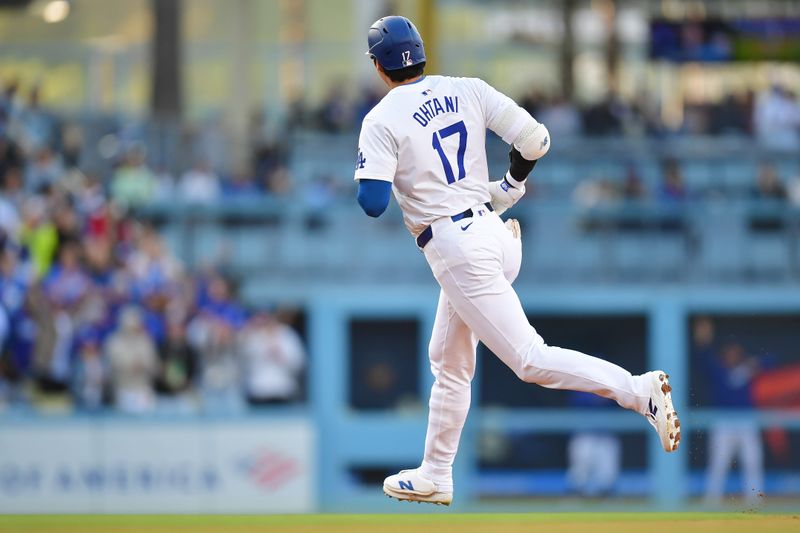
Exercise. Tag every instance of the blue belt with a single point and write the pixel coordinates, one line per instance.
(427, 234)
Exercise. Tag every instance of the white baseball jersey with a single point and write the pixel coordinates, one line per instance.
(428, 138)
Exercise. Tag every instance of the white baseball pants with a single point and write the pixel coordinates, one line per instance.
(475, 260)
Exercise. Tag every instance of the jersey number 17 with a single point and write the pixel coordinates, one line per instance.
(444, 133)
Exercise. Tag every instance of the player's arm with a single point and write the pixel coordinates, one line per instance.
(375, 167)
(373, 196)
(507, 191)
(528, 138)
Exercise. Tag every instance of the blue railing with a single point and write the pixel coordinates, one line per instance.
(270, 242)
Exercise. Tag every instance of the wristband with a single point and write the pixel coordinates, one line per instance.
(519, 167)
(506, 183)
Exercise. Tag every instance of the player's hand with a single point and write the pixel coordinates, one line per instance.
(504, 194)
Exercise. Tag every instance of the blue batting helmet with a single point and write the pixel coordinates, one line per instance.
(395, 43)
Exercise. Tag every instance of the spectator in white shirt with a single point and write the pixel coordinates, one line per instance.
(776, 119)
(273, 357)
(134, 364)
(200, 185)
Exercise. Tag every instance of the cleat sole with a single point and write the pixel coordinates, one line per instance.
(411, 497)
(662, 413)
(673, 423)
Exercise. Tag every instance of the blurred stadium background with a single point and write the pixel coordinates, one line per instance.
(196, 317)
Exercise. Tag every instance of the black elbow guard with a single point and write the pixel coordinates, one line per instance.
(519, 167)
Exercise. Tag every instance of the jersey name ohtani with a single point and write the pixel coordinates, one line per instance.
(434, 107)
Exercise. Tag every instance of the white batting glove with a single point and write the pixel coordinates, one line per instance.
(505, 193)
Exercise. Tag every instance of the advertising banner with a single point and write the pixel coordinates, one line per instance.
(156, 467)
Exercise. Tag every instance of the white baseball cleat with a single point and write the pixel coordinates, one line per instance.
(661, 413)
(410, 486)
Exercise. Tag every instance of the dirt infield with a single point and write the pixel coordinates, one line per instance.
(440, 523)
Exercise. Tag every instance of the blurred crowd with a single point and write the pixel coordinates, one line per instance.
(194, 166)
(96, 311)
(673, 189)
(771, 116)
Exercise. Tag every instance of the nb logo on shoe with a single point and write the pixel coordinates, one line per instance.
(406, 485)
(652, 408)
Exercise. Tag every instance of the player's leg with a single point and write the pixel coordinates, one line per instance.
(471, 270)
(452, 356)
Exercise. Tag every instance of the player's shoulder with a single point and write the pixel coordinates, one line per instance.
(470, 81)
(374, 113)
(477, 88)
(385, 111)
(378, 121)
(375, 117)
(382, 110)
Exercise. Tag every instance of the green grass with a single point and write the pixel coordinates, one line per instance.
(405, 523)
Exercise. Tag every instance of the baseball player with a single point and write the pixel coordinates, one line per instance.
(425, 141)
